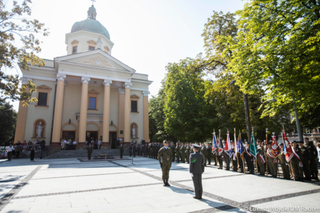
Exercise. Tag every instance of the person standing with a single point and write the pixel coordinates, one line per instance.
(187, 152)
(89, 149)
(208, 155)
(178, 152)
(32, 152)
(182, 153)
(203, 151)
(283, 163)
(121, 150)
(165, 160)
(296, 162)
(260, 158)
(271, 161)
(313, 159)
(173, 150)
(196, 168)
(249, 159)
(9, 151)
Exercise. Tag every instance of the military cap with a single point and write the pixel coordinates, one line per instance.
(294, 142)
(165, 141)
(196, 145)
(300, 142)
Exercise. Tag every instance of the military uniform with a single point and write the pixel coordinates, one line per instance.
(209, 150)
(204, 153)
(284, 165)
(306, 158)
(214, 153)
(227, 160)
(295, 164)
(165, 160)
(183, 153)
(178, 152)
(234, 159)
(89, 150)
(219, 158)
(271, 164)
(249, 159)
(121, 150)
(173, 151)
(196, 168)
(260, 160)
(187, 153)
(313, 161)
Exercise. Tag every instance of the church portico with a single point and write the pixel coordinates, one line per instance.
(86, 94)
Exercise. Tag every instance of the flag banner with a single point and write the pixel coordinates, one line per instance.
(240, 145)
(220, 150)
(227, 148)
(214, 142)
(235, 145)
(287, 147)
(275, 147)
(253, 146)
(262, 158)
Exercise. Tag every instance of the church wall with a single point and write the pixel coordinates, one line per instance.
(140, 85)
(37, 112)
(100, 90)
(114, 108)
(71, 103)
(138, 117)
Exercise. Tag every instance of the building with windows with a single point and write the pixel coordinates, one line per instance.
(86, 94)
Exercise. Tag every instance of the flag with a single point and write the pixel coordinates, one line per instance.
(214, 142)
(240, 145)
(275, 148)
(227, 148)
(253, 147)
(220, 146)
(287, 147)
(235, 145)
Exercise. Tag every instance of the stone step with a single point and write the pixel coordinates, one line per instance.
(84, 153)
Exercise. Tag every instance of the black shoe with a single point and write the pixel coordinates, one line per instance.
(167, 183)
(164, 183)
(198, 198)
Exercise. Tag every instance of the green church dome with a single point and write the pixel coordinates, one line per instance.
(91, 24)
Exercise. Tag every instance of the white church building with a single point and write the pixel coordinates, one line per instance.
(86, 94)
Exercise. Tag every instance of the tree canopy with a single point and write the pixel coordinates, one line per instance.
(18, 45)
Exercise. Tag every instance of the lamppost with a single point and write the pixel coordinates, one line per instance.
(246, 110)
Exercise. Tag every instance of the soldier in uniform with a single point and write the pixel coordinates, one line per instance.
(214, 153)
(283, 163)
(306, 158)
(203, 151)
(270, 161)
(249, 159)
(208, 155)
(187, 152)
(196, 168)
(234, 160)
(183, 153)
(178, 152)
(89, 150)
(313, 159)
(296, 162)
(121, 150)
(173, 151)
(226, 158)
(260, 158)
(165, 160)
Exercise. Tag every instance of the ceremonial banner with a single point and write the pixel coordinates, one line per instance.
(220, 144)
(214, 142)
(240, 145)
(253, 146)
(287, 147)
(227, 148)
(235, 145)
(275, 148)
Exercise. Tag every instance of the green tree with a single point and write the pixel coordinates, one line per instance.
(276, 51)
(185, 108)
(14, 26)
(8, 118)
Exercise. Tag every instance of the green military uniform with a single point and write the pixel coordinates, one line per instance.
(183, 153)
(165, 160)
(284, 165)
(204, 153)
(214, 153)
(187, 153)
(306, 159)
(313, 161)
(261, 160)
(294, 162)
(173, 151)
(178, 152)
(208, 157)
(271, 164)
(89, 149)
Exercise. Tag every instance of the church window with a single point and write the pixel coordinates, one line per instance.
(91, 48)
(134, 106)
(74, 50)
(42, 99)
(92, 102)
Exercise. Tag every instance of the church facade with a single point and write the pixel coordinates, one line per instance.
(86, 94)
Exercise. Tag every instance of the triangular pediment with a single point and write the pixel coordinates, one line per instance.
(93, 92)
(96, 58)
(44, 87)
(134, 96)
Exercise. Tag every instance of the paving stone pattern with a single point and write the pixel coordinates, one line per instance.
(71, 185)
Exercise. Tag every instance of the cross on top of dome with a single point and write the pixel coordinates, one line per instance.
(92, 14)
(93, 1)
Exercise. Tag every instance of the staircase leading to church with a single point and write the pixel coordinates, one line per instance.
(83, 153)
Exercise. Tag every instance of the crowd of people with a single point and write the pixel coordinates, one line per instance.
(303, 165)
(24, 149)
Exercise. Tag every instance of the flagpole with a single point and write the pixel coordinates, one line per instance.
(241, 155)
(267, 166)
(217, 149)
(236, 144)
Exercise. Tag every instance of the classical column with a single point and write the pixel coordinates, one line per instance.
(121, 112)
(106, 110)
(21, 118)
(127, 105)
(83, 109)
(58, 109)
(145, 116)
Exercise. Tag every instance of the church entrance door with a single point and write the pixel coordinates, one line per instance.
(92, 135)
(113, 140)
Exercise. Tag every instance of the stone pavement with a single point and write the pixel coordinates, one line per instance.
(69, 185)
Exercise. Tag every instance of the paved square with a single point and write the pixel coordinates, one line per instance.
(69, 185)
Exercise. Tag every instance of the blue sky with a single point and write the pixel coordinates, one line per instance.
(147, 34)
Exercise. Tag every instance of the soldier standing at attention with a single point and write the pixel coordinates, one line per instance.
(196, 168)
(208, 155)
(283, 163)
(260, 158)
(182, 153)
(313, 159)
(165, 160)
(270, 160)
(178, 152)
(121, 150)
(187, 152)
(296, 162)
(173, 151)
(204, 153)
(249, 159)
